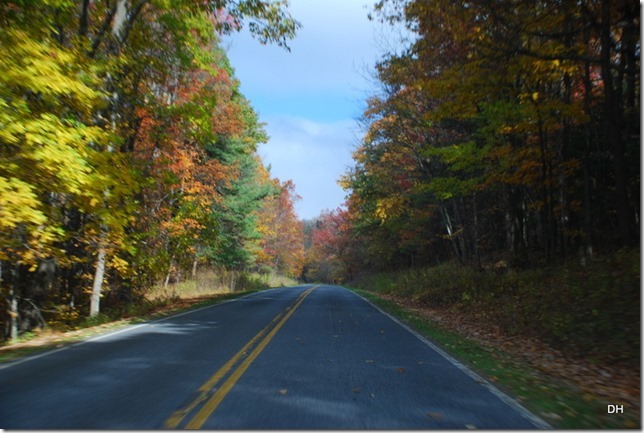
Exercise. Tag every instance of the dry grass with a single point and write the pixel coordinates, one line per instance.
(217, 281)
(205, 283)
(209, 286)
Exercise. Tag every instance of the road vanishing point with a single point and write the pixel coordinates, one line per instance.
(305, 357)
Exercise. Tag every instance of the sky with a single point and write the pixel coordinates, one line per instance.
(309, 98)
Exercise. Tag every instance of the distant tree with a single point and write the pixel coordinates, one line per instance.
(281, 241)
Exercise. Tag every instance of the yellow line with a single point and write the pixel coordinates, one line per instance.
(178, 416)
(218, 397)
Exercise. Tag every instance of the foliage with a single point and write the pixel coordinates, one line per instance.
(127, 153)
(495, 134)
(281, 233)
(583, 310)
(329, 248)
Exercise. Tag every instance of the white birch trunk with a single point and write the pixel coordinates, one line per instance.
(194, 268)
(13, 313)
(97, 287)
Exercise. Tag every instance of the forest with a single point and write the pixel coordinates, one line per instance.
(128, 155)
(499, 172)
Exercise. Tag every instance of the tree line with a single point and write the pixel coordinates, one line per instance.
(128, 154)
(503, 132)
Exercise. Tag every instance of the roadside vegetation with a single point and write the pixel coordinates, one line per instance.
(496, 189)
(129, 157)
(208, 287)
(589, 310)
(564, 341)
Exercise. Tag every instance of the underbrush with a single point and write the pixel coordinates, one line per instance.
(590, 310)
(67, 325)
(218, 281)
(208, 284)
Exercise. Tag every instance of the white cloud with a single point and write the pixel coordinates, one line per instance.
(312, 154)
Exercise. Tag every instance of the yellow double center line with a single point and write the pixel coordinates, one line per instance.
(214, 399)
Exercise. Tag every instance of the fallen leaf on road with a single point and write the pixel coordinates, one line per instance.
(400, 370)
(283, 391)
(435, 415)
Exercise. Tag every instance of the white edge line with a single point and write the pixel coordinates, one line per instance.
(513, 403)
(127, 328)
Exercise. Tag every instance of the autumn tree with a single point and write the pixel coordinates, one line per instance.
(332, 248)
(496, 116)
(281, 232)
(124, 138)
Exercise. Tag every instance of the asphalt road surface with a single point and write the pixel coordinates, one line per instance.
(306, 357)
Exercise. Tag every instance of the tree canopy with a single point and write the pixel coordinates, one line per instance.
(504, 130)
(128, 153)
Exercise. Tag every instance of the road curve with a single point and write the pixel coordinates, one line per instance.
(306, 357)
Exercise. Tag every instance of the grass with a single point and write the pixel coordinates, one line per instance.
(218, 281)
(589, 310)
(560, 405)
(210, 287)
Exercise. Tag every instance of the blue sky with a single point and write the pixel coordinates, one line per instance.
(310, 97)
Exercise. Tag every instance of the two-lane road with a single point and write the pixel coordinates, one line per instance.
(307, 357)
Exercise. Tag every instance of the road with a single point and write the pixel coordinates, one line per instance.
(306, 357)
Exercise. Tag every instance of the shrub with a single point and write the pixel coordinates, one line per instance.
(591, 309)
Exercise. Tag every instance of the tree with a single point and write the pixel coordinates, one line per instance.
(492, 131)
(86, 87)
(330, 256)
(281, 241)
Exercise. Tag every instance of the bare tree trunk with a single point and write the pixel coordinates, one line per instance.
(477, 253)
(167, 277)
(13, 315)
(612, 130)
(448, 228)
(588, 188)
(97, 287)
(194, 268)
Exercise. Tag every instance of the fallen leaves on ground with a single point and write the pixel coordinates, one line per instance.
(615, 383)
